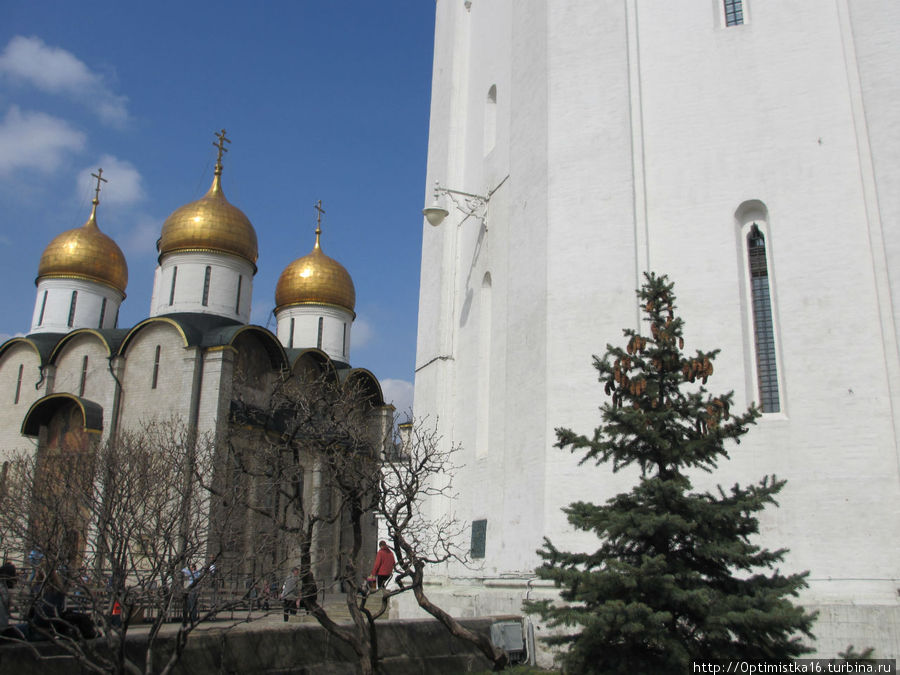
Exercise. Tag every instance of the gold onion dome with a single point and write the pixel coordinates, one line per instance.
(85, 253)
(315, 279)
(210, 224)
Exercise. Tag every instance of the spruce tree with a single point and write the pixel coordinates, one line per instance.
(677, 576)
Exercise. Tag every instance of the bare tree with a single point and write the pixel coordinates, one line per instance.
(318, 464)
(420, 468)
(306, 468)
(112, 527)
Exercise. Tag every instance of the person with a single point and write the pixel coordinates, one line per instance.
(290, 592)
(384, 564)
(190, 611)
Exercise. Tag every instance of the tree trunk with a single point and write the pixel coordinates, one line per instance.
(496, 655)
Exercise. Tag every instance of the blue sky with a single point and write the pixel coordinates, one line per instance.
(322, 100)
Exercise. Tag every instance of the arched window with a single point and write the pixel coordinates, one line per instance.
(172, 289)
(43, 307)
(84, 371)
(206, 285)
(18, 384)
(155, 368)
(72, 304)
(763, 325)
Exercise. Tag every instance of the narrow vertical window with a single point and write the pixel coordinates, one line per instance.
(734, 12)
(237, 300)
(18, 384)
(490, 119)
(102, 313)
(319, 338)
(116, 320)
(155, 369)
(206, 285)
(43, 307)
(763, 327)
(84, 368)
(72, 309)
(172, 289)
(291, 336)
(344, 343)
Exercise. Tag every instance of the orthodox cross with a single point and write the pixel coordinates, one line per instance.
(319, 217)
(220, 144)
(99, 177)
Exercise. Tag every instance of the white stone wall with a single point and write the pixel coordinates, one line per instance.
(11, 412)
(227, 273)
(175, 384)
(632, 134)
(99, 385)
(336, 327)
(88, 305)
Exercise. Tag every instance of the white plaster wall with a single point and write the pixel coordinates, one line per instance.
(223, 286)
(99, 385)
(11, 413)
(215, 393)
(175, 384)
(87, 305)
(634, 132)
(306, 329)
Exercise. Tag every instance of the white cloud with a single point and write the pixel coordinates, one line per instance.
(56, 71)
(123, 186)
(141, 237)
(362, 333)
(35, 140)
(400, 394)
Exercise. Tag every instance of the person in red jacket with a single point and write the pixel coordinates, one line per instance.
(384, 564)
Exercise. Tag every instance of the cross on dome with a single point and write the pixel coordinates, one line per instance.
(319, 213)
(220, 144)
(99, 177)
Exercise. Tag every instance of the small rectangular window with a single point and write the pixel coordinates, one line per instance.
(319, 339)
(102, 313)
(237, 302)
(734, 12)
(74, 301)
(291, 336)
(172, 290)
(206, 285)
(479, 537)
(344, 345)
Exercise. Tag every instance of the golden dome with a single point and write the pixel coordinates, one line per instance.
(210, 224)
(85, 253)
(315, 279)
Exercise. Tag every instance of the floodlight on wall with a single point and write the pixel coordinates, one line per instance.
(469, 204)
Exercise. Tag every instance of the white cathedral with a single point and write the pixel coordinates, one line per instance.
(195, 358)
(748, 149)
